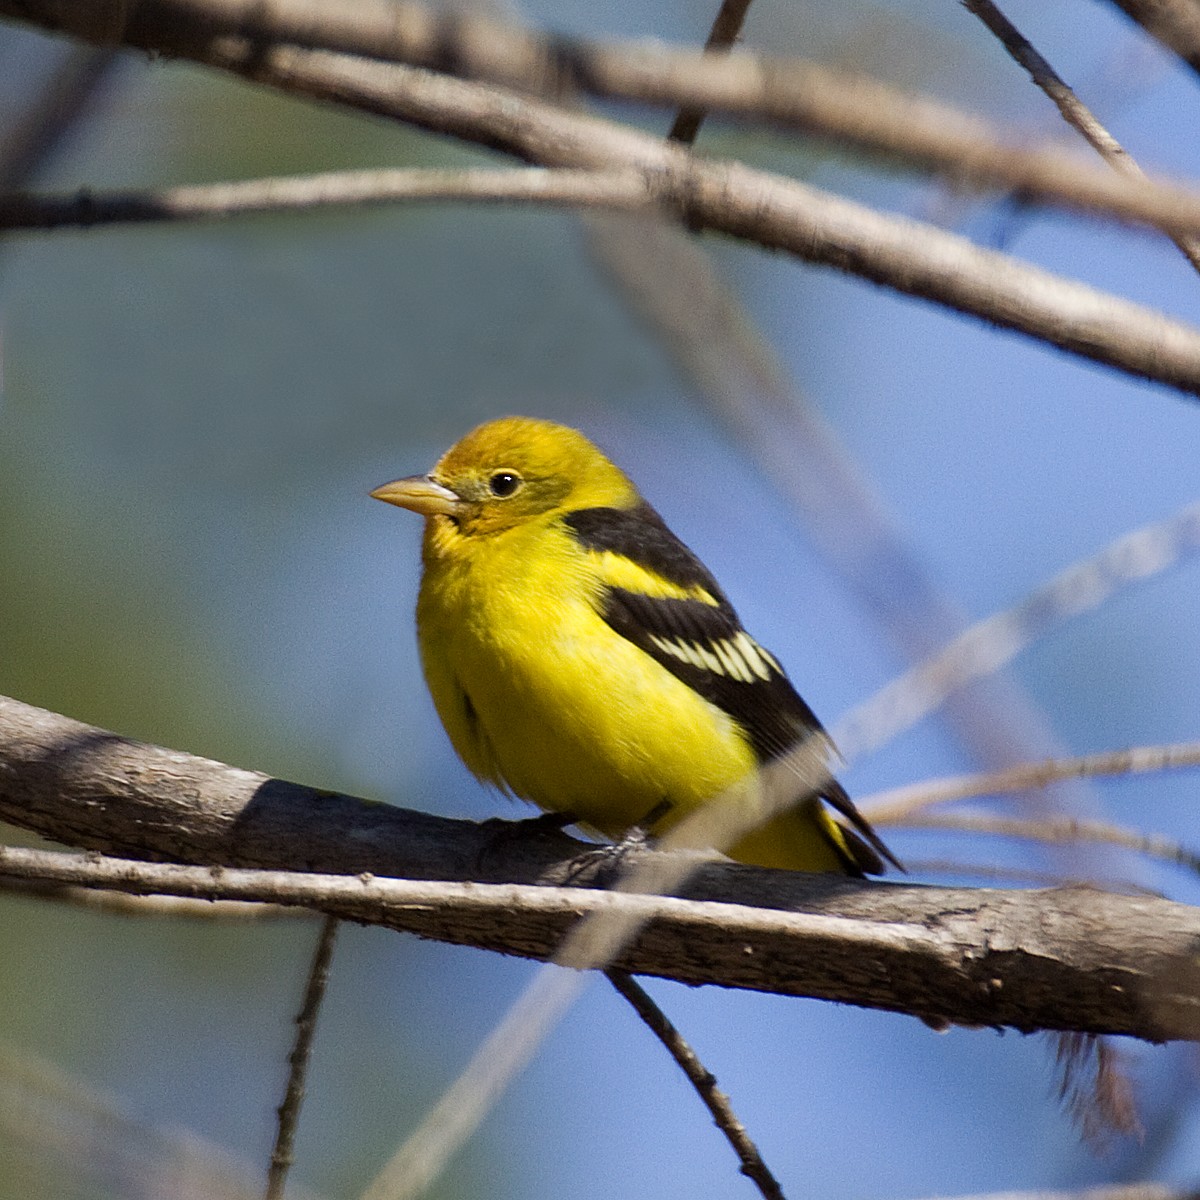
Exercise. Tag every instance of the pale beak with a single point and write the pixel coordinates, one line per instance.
(420, 494)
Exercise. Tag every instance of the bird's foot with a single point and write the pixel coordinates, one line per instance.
(605, 863)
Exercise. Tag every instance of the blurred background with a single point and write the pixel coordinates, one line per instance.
(190, 422)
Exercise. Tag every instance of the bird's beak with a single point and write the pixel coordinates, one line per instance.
(420, 494)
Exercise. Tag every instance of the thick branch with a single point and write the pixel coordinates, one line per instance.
(1067, 958)
(725, 196)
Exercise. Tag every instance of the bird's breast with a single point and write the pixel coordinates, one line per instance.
(540, 695)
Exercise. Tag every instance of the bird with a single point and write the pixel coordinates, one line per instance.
(581, 657)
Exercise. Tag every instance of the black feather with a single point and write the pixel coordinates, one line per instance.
(769, 710)
(642, 535)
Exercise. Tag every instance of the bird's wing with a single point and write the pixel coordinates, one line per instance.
(660, 596)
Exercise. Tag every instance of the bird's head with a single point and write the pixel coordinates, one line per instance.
(510, 471)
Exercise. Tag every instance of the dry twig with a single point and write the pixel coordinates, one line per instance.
(1073, 110)
(283, 1152)
(705, 1083)
(724, 32)
(622, 191)
(1076, 959)
(898, 805)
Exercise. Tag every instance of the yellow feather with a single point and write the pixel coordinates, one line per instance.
(618, 571)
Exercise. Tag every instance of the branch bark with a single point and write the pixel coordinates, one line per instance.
(722, 196)
(581, 190)
(1069, 958)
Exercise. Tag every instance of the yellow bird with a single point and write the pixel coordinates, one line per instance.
(581, 657)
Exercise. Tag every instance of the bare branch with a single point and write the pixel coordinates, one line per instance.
(1073, 959)
(283, 1152)
(995, 641)
(624, 191)
(839, 105)
(1064, 958)
(121, 904)
(1073, 110)
(724, 32)
(718, 195)
(895, 806)
(704, 1082)
(1061, 830)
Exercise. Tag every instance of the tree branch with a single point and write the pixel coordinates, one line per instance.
(703, 1081)
(1073, 110)
(847, 107)
(897, 805)
(719, 195)
(726, 28)
(611, 190)
(288, 1112)
(1070, 958)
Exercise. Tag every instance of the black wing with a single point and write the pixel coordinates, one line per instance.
(695, 635)
(698, 637)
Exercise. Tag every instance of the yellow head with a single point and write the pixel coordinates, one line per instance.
(508, 472)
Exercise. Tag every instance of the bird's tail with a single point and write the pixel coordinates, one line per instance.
(807, 838)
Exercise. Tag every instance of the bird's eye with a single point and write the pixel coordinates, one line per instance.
(504, 483)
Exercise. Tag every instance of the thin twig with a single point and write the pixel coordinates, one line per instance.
(122, 904)
(620, 190)
(724, 32)
(995, 641)
(1073, 110)
(896, 806)
(1058, 830)
(703, 1080)
(283, 1152)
